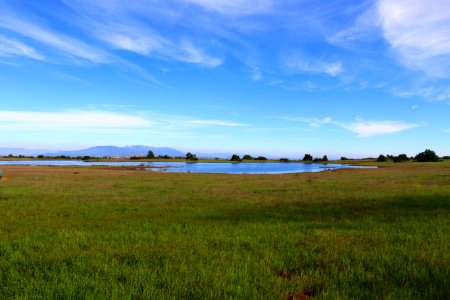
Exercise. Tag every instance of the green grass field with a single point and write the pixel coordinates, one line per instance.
(68, 232)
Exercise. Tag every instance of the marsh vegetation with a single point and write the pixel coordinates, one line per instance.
(103, 232)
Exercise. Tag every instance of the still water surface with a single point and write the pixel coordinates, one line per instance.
(197, 167)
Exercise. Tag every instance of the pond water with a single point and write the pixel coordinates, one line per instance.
(197, 167)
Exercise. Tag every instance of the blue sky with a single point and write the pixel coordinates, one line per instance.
(279, 78)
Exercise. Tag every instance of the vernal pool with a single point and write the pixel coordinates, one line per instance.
(198, 167)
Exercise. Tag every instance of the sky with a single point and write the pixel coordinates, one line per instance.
(279, 78)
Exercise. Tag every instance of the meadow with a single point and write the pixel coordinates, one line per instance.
(99, 232)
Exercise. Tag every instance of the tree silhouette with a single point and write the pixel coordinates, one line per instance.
(150, 154)
(307, 157)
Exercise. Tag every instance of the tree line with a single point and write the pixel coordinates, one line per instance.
(425, 156)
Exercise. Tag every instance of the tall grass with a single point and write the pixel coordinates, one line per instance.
(112, 233)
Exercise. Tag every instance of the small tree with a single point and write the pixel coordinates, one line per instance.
(190, 156)
(235, 157)
(150, 154)
(401, 158)
(427, 155)
(247, 157)
(307, 157)
(381, 158)
(325, 158)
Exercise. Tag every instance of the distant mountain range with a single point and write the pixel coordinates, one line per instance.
(114, 151)
(98, 151)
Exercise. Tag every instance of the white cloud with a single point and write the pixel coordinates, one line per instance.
(437, 93)
(300, 64)
(130, 40)
(359, 126)
(373, 128)
(192, 54)
(68, 119)
(255, 73)
(419, 33)
(333, 69)
(414, 107)
(128, 27)
(363, 27)
(12, 47)
(313, 122)
(98, 122)
(235, 7)
(217, 123)
(53, 39)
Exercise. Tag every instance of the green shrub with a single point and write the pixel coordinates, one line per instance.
(426, 156)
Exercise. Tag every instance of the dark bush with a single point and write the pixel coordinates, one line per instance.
(235, 157)
(307, 157)
(261, 158)
(426, 156)
(381, 158)
(401, 158)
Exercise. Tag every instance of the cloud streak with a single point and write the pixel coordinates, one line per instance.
(12, 47)
(360, 127)
(419, 32)
(373, 128)
(104, 120)
(217, 123)
(235, 7)
(58, 41)
(132, 30)
(301, 64)
(69, 119)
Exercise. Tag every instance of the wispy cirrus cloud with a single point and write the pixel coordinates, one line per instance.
(310, 65)
(193, 54)
(131, 30)
(313, 122)
(373, 128)
(129, 37)
(235, 7)
(360, 127)
(61, 42)
(13, 47)
(95, 119)
(217, 123)
(419, 33)
(434, 92)
(69, 119)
